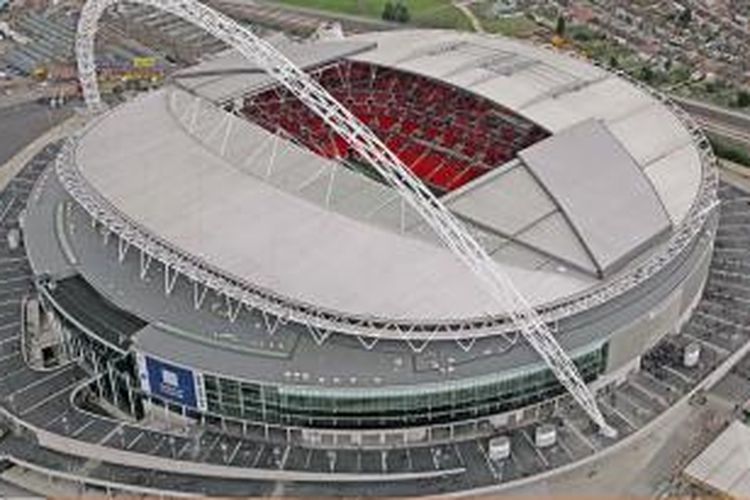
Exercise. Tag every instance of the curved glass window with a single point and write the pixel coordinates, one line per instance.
(408, 406)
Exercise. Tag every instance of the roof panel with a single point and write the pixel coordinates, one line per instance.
(540, 276)
(557, 92)
(650, 133)
(602, 191)
(607, 99)
(678, 176)
(723, 465)
(553, 236)
(509, 201)
(166, 181)
(504, 201)
(230, 75)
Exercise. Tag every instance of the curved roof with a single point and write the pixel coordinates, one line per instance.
(262, 210)
(556, 92)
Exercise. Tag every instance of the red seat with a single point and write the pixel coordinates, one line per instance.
(446, 136)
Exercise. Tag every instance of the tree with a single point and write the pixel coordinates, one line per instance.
(613, 62)
(401, 13)
(743, 99)
(388, 11)
(685, 17)
(560, 28)
(647, 74)
(396, 12)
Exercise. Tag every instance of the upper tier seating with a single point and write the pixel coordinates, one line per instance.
(445, 135)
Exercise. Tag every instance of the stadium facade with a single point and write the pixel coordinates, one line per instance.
(211, 250)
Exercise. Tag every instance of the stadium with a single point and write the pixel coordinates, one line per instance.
(214, 256)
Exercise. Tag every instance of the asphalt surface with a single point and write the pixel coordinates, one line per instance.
(724, 122)
(22, 123)
(8, 490)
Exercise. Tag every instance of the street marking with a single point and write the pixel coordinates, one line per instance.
(257, 455)
(542, 458)
(9, 356)
(82, 428)
(234, 452)
(46, 400)
(579, 434)
(44, 379)
(135, 440)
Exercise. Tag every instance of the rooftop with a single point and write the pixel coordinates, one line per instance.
(261, 209)
(723, 466)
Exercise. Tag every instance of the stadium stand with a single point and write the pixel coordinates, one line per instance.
(445, 135)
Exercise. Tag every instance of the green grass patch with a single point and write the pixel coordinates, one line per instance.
(368, 8)
(512, 24)
(429, 13)
(515, 26)
(730, 150)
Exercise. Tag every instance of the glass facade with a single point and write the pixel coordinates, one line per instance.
(331, 408)
(389, 407)
(115, 373)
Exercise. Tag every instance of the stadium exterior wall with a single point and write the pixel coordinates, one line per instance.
(654, 310)
(676, 292)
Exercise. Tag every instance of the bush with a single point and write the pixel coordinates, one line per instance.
(646, 74)
(560, 28)
(402, 13)
(388, 11)
(730, 151)
(685, 17)
(398, 12)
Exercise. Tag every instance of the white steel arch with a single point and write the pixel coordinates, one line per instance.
(366, 143)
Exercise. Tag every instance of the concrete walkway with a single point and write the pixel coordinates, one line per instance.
(17, 162)
(17, 483)
(463, 6)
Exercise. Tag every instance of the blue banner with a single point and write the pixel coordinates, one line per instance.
(171, 382)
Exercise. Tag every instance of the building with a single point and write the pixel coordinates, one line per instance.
(722, 468)
(211, 252)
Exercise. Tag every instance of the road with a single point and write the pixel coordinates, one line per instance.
(463, 6)
(22, 123)
(727, 123)
(9, 491)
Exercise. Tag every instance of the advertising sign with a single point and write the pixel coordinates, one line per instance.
(144, 62)
(168, 381)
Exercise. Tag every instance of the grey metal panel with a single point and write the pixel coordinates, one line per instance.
(168, 183)
(506, 203)
(42, 224)
(556, 92)
(230, 75)
(511, 203)
(553, 236)
(673, 176)
(602, 191)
